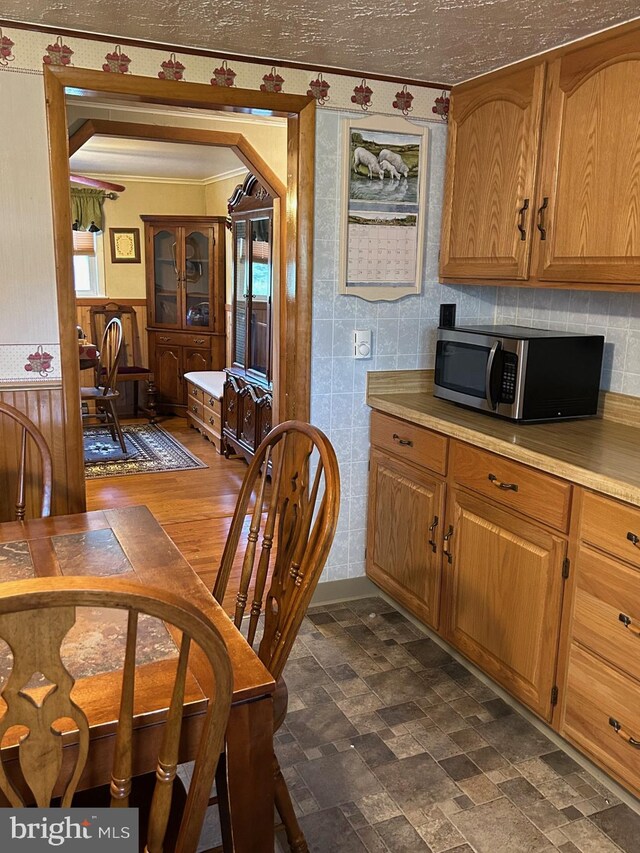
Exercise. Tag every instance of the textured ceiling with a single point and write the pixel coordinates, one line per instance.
(436, 40)
(104, 155)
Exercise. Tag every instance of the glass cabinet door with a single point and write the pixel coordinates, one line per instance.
(166, 271)
(260, 290)
(196, 278)
(241, 287)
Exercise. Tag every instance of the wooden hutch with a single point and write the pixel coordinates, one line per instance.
(185, 270)
(247, 398)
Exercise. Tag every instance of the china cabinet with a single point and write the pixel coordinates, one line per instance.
(247, 403)
(185, 276)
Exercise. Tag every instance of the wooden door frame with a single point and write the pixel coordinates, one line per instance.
(292, 343)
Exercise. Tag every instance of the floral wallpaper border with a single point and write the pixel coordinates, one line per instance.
(26, 51)
(30, 364)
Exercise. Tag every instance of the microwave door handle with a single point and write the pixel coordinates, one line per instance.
(489, 373)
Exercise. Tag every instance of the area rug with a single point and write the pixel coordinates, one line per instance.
(149, 449)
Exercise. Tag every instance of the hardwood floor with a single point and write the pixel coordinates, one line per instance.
(194, 507)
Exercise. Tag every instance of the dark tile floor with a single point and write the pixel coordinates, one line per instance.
(391, 745)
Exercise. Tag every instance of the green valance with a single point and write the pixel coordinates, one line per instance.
(86, 209)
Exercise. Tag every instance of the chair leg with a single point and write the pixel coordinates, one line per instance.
(116, 424)
(295, 836)
(151, 401)
(224, 810)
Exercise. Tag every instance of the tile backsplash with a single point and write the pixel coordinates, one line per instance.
(404, 332)
(614, 315)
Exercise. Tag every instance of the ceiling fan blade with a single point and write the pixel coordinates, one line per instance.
(97, 183)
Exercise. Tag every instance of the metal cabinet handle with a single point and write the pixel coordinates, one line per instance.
(617, 727)
(521, 219)
(404, 442)
(447, 537)
(211, 401)
(506, 487)
(199, 341)
(635, 540)
(627, 622)
(432, 528)
(194, 391)
(164, 339)
(542, 228)
(194, 409)
(211, 421)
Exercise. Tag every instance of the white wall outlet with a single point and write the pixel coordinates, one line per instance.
(362, 343)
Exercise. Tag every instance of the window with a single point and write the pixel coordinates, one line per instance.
(85, 263)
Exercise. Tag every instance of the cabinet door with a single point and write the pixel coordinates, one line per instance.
(230, 406)
(168, 374)
(199, 305)
(503, 597)
(491, 170)
(405, 516)
(249, 419)
(166, 276)
(591, 165)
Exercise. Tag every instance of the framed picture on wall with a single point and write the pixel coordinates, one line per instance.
(125, 245)
(384, 191)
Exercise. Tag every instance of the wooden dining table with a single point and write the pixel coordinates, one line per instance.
(129, 543)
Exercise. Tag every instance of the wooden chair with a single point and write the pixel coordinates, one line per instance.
(104, 393)
(295, 517)
(130, 363)
(28, 429)
(35, 616)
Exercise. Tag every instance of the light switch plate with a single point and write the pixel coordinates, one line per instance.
(362, 343)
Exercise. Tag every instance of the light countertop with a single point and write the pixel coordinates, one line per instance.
(597, 453)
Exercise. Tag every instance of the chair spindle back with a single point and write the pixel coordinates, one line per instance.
(28, 430)
(292, 524)
(35, 616)
(110, 348)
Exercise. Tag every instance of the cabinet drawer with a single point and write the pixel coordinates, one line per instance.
(612, 526)
(606, 591)
(212, 419)
(195, 408)
(214, 403)
(596, 694)
(413, 443)
(530, 492)
(183, 339)
(195, 393)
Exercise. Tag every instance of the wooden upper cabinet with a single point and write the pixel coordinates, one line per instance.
(488, 220)
(591, 165)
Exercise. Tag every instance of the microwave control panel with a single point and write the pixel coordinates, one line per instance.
(509, 372)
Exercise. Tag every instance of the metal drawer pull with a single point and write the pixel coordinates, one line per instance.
(542, 228)
(506, 487)
(448, 536)
(199, 341)
(194, 391)
(615, 725)
(194, 409)
(211, 401)
(432, 527)
(404, 442)
(521, 219)
(635, 540)
(626, 621)
(164, 338)
(211, 421)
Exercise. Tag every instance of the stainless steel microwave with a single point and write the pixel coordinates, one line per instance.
(519, 373)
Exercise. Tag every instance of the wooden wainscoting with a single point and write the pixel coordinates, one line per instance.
(44, 405)
(83, 314)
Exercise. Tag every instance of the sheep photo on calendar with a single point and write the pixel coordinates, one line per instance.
(385, 167)
(383, 206)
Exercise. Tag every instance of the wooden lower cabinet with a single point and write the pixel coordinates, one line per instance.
(403, 555)
(168, 373)
(503, 593)
(246, 415)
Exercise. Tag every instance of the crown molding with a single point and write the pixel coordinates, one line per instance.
(145, 179)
